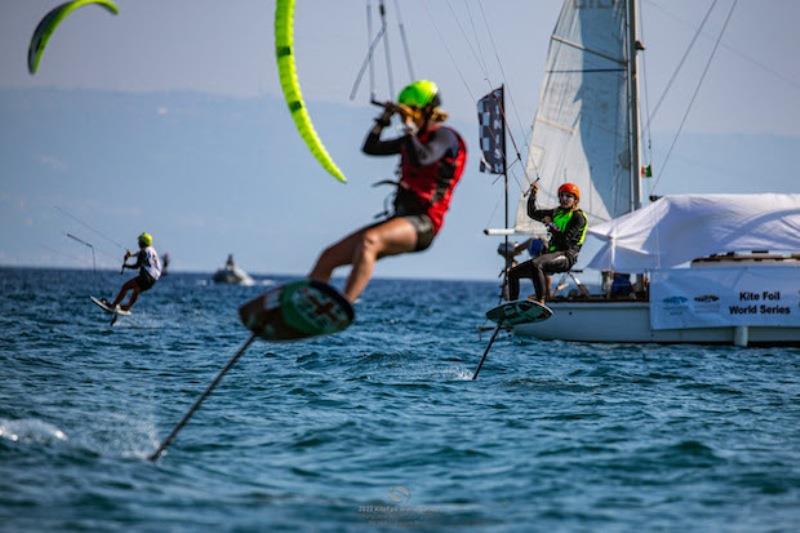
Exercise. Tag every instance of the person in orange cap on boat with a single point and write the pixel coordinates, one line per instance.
(567, 225)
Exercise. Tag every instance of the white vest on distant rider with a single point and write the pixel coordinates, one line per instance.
(152, 263)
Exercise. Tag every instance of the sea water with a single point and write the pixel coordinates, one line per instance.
(379, 426)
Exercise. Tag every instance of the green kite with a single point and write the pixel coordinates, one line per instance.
(284, 53)
(50, 22)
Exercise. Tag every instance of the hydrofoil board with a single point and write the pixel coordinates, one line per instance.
(108, 309)
(519, 312)
(297, 310)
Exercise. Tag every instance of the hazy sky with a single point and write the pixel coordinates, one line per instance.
(225, 49)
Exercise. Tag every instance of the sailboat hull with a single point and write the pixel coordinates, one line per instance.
(628, 321)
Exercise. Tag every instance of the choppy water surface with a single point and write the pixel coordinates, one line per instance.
(378, 426)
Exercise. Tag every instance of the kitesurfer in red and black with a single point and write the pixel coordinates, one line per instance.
(567, 225)
(432, 159)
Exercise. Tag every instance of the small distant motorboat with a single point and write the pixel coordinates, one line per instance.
(232, 275)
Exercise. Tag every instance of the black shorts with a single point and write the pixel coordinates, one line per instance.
(145, 281)
(423, 226)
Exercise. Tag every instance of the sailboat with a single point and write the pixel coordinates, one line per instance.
(710, 269)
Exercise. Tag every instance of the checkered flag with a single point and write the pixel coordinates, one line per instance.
(492, 132)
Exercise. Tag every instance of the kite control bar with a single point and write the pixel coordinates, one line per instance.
(437, 115)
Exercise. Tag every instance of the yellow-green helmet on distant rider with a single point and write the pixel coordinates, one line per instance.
(420, 93)
(145, 239)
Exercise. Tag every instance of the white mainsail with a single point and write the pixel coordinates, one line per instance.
(582, 129)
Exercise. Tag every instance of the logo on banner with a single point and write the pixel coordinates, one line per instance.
(706, 298)
(706, 303)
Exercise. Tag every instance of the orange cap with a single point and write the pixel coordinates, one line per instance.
(570, 188)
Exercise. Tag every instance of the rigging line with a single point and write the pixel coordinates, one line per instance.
(79, 221)
(366, 63)
(372, 94)
(487, 77)
(500, 64)
(449, 52)
(78, 239)
(720, 170)
(469, 43)
(696, 92)
(494, 211)
(582, 48)
(75, 258)
(584, 70)
(510, 95)
(90, 245)
(94, 257)
(477, 36)
(519, 184)
(733, 50)
(404, 40)
(79, 260)
(680, 64)
(647, 132)
(516, 148)
(382, 12)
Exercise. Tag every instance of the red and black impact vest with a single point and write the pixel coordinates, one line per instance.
(431, 185)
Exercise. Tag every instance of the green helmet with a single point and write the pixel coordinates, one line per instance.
(420, 93)
(145, 239)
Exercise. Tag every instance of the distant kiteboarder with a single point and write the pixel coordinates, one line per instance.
(165, 263)
(432, 158)
(149, 266)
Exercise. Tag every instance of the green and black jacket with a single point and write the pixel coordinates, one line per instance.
(568, 229)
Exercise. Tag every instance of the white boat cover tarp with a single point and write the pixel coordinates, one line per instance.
(582, 125)
(677, 229)
(716, 297)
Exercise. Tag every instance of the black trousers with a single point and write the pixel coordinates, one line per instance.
(536, 269)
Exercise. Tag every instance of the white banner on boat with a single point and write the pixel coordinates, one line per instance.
(742, 296)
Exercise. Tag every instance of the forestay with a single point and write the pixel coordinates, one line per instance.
(581, 131)
(677, 229)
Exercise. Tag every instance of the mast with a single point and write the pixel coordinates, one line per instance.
(505, 184)
(633, 112)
